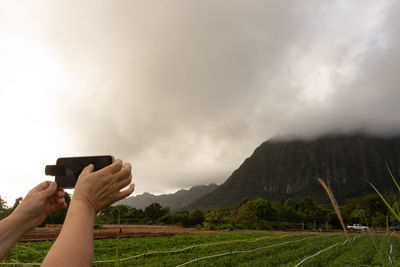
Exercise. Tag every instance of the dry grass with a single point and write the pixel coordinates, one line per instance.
(335, 206)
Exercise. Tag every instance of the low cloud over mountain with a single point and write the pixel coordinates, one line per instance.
(187, 89)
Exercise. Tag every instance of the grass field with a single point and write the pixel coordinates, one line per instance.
(231, 249)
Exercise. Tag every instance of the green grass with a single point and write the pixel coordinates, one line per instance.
(269, 249)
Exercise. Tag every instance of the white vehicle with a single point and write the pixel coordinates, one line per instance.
(357, 227)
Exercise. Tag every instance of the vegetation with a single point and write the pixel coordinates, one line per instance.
(228, 249)
(393, 206)
(258, 214)
(4, 210)
(250, 214)
(54, 218)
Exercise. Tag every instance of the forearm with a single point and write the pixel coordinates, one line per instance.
(74, 246)
(12, 229)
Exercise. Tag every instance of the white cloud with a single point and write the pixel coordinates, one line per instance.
(187, 89)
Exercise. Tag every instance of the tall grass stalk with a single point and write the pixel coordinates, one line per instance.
(335, 206)
(396, 213)
(338, 213)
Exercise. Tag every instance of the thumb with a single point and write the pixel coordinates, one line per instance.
(50, 190)
(87, 170)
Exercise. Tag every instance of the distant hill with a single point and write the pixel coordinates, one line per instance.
(175, 201)
(279, 169)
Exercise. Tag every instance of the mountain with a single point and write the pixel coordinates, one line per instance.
(279, 169)
(174, 201)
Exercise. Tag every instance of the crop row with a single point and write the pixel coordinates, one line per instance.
(230, 249)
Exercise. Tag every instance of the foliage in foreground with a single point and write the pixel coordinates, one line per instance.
(241, 248)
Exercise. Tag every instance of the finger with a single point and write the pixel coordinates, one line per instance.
(60, 193)
(127, 166)
(53, 200)
(50, 190)
(87, 170)
(124, 182)
(57, 203)
(61, 202)
(42, 186)
(124, 193)
(113, 168)
(123, 174)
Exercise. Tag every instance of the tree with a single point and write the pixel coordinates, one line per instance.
(16, 203)
(244, 201)
(213, 216)
(154, 212)
(306, 211)
(320, 215)
(358, 216)
(333, 219)
(181, 217)
(196, 217)
(136, 215)
(247, 217)
(374, 204)
(263, 209)
(379, 220)
(287, 214)
(291, 203)
(121, 211)
(3, 208)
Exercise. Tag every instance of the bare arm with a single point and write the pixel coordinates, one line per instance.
(12, 229)
(93, 191)
(34, 208)
(74, 245)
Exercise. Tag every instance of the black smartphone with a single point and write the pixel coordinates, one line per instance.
(67, 170)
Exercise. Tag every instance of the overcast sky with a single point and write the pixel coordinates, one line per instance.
(186, 90)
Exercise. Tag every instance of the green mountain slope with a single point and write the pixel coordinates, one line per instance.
(279, 169)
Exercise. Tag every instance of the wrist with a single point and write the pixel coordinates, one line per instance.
(82, 207)
(21, 223)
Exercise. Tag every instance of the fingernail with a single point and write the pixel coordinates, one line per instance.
(54, 184)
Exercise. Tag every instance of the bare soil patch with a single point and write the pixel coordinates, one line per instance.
(51, 232)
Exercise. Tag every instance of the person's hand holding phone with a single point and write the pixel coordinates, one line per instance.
(34, 208)
(40, 201)
(103, 187)
(94, 190)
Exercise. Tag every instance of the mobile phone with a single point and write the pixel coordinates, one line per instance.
(67, 170)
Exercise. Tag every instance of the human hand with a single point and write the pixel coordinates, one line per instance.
(102, 188)
(40, 201)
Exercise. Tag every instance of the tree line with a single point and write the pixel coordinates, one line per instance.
(258, 214)
(249, 214)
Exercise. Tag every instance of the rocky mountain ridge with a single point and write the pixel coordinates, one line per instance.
(280, 168)
(174, 201)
